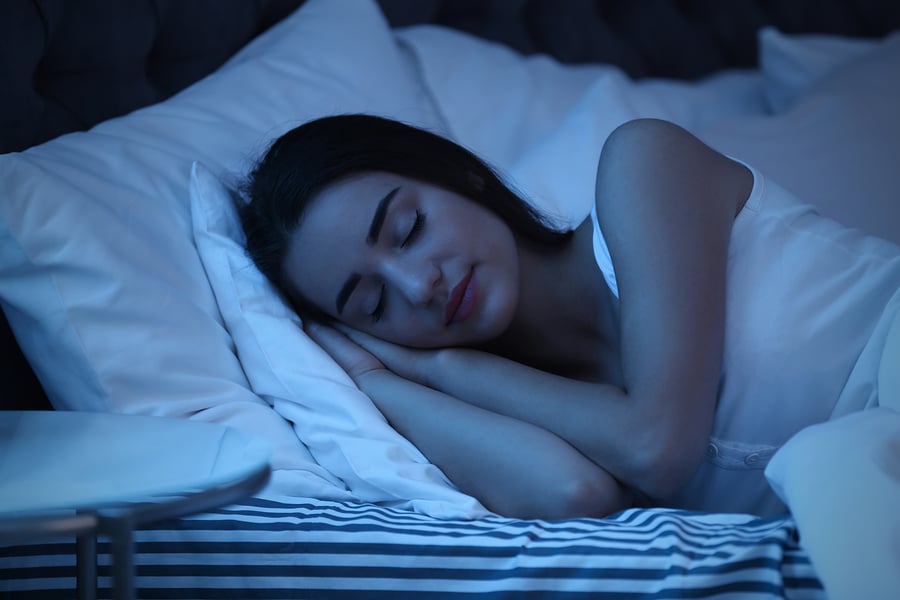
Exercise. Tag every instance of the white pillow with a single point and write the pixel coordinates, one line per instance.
(494, 100)
(794, 63)
(99, 276)
(339, 424)
(837, 145)
(501, 104)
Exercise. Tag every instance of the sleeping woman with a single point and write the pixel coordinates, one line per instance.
(554, 372)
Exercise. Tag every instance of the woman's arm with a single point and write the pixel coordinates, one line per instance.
(667, 202)
(514, 468)
(670, 202)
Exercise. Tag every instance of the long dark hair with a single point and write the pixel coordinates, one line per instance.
(309, 157)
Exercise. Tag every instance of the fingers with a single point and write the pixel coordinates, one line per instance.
(322, 334)
(352, 357)
(367, 341)
(354, 334)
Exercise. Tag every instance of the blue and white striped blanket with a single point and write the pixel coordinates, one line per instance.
(326, 549)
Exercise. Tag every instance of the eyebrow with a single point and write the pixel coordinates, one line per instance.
(345, 292)
(371, 239)
(378, 217)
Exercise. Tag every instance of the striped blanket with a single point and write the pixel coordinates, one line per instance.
(324, 549)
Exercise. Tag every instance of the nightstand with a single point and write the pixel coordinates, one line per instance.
(97, 474)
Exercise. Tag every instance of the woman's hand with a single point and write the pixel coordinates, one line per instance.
(414, 364)
(514, 468)
(353, 358)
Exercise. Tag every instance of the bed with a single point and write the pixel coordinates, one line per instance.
(125, 288)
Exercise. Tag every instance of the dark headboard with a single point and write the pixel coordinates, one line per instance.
(74, 63)
(69, 64)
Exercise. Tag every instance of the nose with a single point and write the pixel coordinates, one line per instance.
(416, 279)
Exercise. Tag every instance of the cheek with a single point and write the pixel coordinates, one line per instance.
(499, 309)
(502, 289)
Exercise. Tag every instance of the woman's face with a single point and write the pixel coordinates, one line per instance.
(406, 261)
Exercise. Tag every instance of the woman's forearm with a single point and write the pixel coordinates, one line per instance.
(515, 468)
(602, 421)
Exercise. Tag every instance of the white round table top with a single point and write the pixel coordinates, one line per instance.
(61, 460)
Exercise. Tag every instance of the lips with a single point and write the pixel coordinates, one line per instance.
(461, 301)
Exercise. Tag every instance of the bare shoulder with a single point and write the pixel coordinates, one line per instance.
(658, 161)
(653, 139)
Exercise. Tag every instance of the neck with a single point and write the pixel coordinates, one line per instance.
(566, 321)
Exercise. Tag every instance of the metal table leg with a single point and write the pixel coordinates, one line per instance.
(86, 566)
(119, 527)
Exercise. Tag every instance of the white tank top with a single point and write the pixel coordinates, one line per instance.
(809, 303)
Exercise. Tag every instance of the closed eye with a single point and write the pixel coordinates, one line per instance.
(379, 308)
(415, 230)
